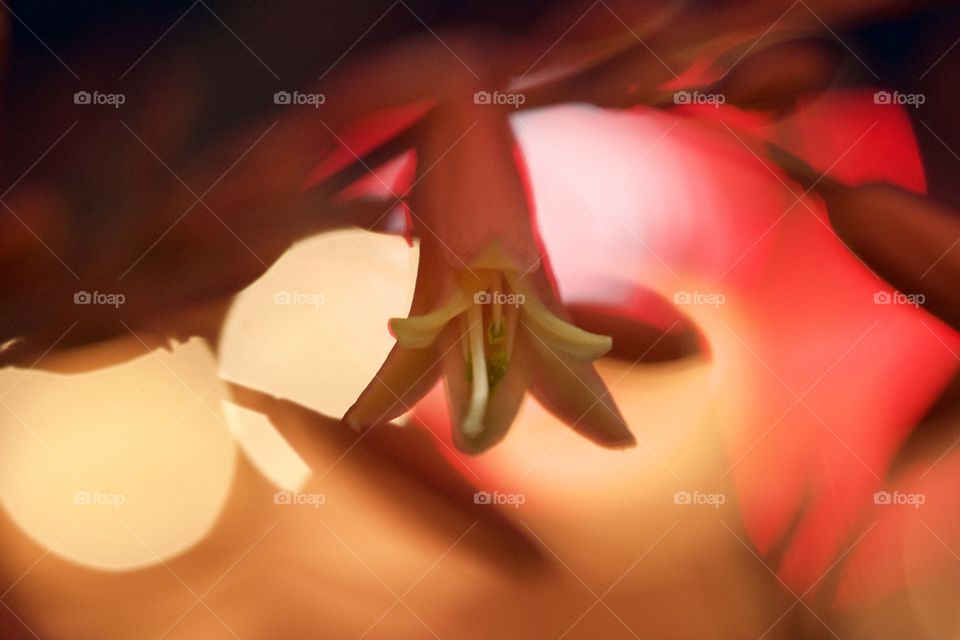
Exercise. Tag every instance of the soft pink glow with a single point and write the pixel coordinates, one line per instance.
(676, 204)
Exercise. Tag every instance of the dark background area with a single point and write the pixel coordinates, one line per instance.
(98, 194)
(298, 41)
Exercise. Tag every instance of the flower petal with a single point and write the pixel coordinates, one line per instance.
(774, 78)
(418, 332)
(574, 393)
(405, 376)
(470, 194)
(568, 340)
(905, 238)
(504, 399)
(653, 332)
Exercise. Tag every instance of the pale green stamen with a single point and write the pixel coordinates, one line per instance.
(487, 347)
(472, 424)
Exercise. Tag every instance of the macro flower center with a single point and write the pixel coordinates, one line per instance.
(491, 329)
(494, 308)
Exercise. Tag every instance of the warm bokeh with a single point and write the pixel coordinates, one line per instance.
(775, 263)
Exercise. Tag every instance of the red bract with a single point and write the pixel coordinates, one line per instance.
(819, 380)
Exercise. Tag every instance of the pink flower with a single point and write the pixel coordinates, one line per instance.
(484, 315)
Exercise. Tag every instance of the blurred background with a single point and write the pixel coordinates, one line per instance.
(197, 278)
